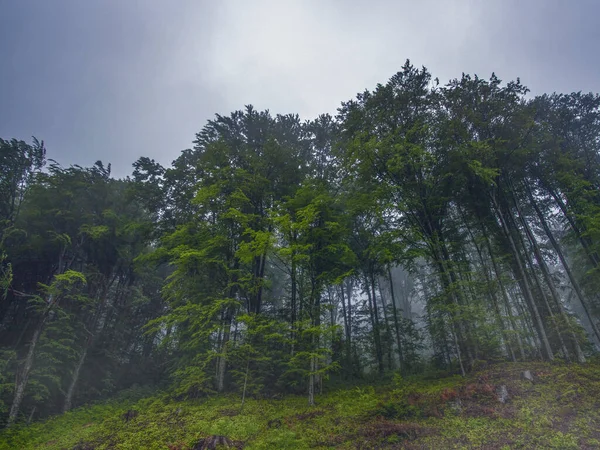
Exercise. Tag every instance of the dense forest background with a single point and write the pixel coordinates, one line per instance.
(425, 227)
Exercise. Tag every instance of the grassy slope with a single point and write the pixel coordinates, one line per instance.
(560, 410)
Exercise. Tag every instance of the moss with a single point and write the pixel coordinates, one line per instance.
(559, 410)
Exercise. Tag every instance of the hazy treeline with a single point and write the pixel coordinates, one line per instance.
(425, 226)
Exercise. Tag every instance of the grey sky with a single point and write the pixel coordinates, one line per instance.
(118, 79)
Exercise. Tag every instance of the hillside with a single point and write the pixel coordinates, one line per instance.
(558, 409)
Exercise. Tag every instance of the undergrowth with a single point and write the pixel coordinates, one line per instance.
(559, 410)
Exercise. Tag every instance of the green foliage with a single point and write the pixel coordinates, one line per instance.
(7, 360)
(299, 365)
(70, 252)
(260, 357)
(6, 276)
(427, 229)
(19, 163)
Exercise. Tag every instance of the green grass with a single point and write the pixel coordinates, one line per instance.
(561, 410)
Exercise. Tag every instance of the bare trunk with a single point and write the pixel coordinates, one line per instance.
(315, 310)
(527, 320)
(74, 380)
(507, 305)
(262, 260)
(550, 283)
(245, 385)
(461, 336)
(311, 382)
(30, 418)
(375, 324)
(23, 374)
(396, 323)
(527, 290)
(593, 256)
(352, 347)
(98, 323)
(561, 256)
(548, 308)
(293, 275)
(387, 329)
(349, 292)
(346, 327)
(222, 362)
(542, 264)
(458, 355)
(491, 292)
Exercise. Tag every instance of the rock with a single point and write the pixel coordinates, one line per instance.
(502, 393)
(526, 375)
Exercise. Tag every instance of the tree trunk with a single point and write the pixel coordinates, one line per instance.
(316, 321)
(544, 297)
(503, 292)
(74, 379)
(346, 328)
(387, 329)
(30, 418)
(261, 276)
(550, 283)
(355, 361)
(447, 278)
(561, 256)
(98, 323)
(245, 385)
(491, 292)
(396, 323)
(536, 278)
(349, 291)
(311, 379)
(593, 256)
(294, 306)
(23, 374)
(375, 324)
(222, 361)
(527, 290)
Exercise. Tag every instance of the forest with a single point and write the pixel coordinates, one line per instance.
(426, 227)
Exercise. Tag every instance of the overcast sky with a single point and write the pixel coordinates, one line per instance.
(119, 79)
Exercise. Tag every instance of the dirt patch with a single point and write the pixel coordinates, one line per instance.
(84, 446)
(472, 409)
(385, 428)
(309, 415)
(229, 412)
